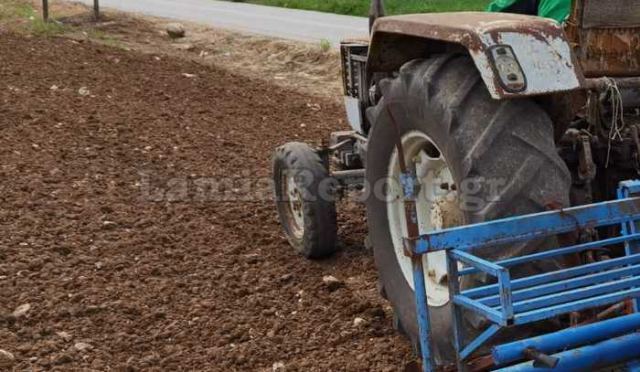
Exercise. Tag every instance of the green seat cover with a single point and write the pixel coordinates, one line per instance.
(555, 9)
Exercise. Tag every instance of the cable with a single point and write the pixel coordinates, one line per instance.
(617, 115)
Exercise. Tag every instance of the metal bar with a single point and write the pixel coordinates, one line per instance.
(554, 276)
(456, 311)
(604, 82)
(477, 262)
(576, 294)
(506, 300)
(408, 180)
(483, 338)
(634, 366)
(565, 285)
(353, 173)
(630, 227)
(557, 252)
(489, 313)
(592, 357)
(550, 312)
(422, 313)
(529, 227)
(630, 187)
(349, 177)
(375, 11)
(566, 339)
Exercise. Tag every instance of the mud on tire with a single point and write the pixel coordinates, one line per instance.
(481, 139)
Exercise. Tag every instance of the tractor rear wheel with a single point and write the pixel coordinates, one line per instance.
(477, 159)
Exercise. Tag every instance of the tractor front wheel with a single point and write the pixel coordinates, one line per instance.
(305, 200)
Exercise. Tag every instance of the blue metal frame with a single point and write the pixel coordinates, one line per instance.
(591, 357)
(512, 302)
(626, 190)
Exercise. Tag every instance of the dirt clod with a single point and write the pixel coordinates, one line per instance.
(82, 346)
(63, 358)
(64, 336)
(84, 91)
(332, 283)
(358, 322)
(21, 311)
(6, 359)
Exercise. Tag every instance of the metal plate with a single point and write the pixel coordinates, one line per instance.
(611, 13)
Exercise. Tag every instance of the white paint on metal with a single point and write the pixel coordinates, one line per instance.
(295, 205)
(545, 60)
(483, 64)
(432, 173)
(539, 44)
(354, 113)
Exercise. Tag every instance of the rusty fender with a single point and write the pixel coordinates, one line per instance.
(540, 47)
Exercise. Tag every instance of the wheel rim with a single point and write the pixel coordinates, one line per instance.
(436, 204)
(294, 213)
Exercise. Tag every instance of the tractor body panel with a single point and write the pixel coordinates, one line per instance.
(539, 45)
(605, 36)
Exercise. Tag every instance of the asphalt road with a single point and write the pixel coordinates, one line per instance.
(264, 20)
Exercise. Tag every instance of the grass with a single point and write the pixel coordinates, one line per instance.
(361, 7)
(325, 45)
(27, 19)
(15, 9)
(104, 38)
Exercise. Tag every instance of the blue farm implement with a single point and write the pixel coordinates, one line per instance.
(509, 303)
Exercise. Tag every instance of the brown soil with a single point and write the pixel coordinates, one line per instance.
(296, 65)
(179, 284)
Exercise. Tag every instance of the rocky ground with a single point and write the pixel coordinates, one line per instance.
(112, 258)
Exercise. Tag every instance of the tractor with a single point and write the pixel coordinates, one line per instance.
(500, 133)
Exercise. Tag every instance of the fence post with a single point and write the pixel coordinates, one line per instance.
(45, 10)
(96, 9)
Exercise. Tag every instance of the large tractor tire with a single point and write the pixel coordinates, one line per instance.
(478, 159)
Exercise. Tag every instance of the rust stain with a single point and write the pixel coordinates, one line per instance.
(476, 32)
(464, 27)
(603, 51)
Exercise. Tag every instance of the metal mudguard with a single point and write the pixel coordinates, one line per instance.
(539, 44)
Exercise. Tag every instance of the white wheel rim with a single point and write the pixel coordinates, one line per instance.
(436, 206)
(295, 213)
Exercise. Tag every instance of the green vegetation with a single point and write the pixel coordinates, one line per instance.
(325, 45)
(26, 19)
(104, 38)
(361, 7)
(42, 28)
(15, 9)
